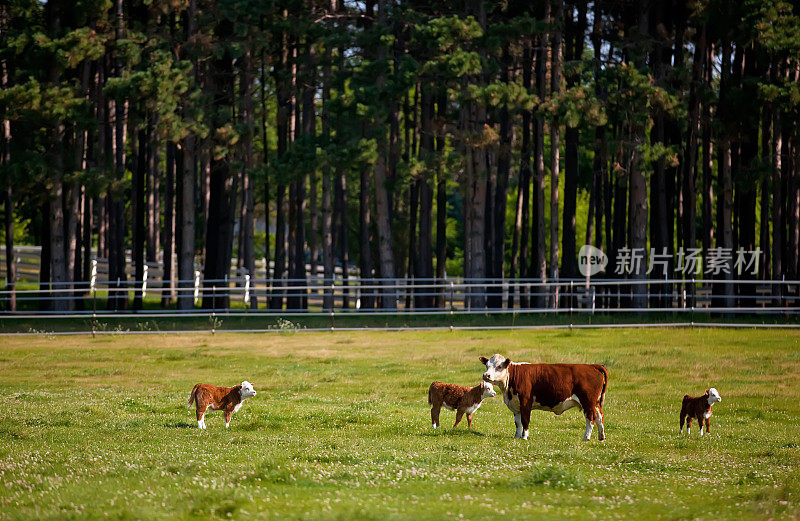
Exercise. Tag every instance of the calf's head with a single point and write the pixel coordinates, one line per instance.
(488, 390)
(496, 368)
(247, 390)
(713, 396)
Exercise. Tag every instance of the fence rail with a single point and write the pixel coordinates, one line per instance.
(317, 296)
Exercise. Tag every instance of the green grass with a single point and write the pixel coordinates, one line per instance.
(340, 429)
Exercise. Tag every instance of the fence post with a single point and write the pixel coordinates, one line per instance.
(144, 281)
(93, 289)
(247, 289)
(333, 302)
(196, 286)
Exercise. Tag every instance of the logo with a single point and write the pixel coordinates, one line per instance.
(591, 260)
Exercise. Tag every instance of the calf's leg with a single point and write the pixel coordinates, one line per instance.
(689, 425)
(518, 423)
(435, 408)
(201, 413)
(469, 420)
(228, 414)
(708, 425)
(683, 419)
(459, 414)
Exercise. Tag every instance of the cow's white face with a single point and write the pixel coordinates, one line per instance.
(496, 368)
(713, 396)
(488, 390)
(247, 390)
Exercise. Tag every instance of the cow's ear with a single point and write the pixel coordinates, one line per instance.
(506, 363)
(483, 360)
(708, 391)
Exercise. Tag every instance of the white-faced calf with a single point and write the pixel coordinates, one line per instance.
(228, 399)
(700, 408)
(463, 400)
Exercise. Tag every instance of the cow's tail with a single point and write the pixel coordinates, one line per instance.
(604, 371)
(192, 396)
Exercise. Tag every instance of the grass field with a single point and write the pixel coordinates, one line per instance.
(340, 429)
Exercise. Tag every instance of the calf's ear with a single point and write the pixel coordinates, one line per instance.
(505, 364)
(483, 360)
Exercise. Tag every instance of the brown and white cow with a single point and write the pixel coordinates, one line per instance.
(549, 387)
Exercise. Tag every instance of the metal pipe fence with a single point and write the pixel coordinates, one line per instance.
(246, 296)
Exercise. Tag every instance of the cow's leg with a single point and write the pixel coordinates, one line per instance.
(689, 425)
(589, 413)
(469, 420)
(525, 416)
(683, 419)
(435, 414)
(518, 423)
(598, 420)
(459, 414)
(228, 414)
(700, 422)
(708, 425)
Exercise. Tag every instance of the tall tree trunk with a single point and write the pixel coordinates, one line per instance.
(168, 236)
(441, 204)
(423, 264)
(222, 183)
(766, 158)
(186, 168)
(708, 162)
(498, 219)
(327, 213)
(413, 213)
(555, 87)
(282, 129)
(382, 207)
(692, 134)
(340, 209)
(139, 226)
(519, 244)
(116, 251)
(152, 180)
(575, 35)
(247, 253)
(725, 182)
(8, 207)
(777, 201)
(8, 200)
(539, 247)
(309, 129)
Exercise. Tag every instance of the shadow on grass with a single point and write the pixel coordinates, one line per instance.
(180, 425)
(451, 433)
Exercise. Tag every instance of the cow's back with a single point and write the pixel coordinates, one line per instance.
(552, 384)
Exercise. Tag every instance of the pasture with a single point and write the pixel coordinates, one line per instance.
(340, 428)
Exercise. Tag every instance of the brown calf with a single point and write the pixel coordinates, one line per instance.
(699, 407)
(457, 398)
(228, 399)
